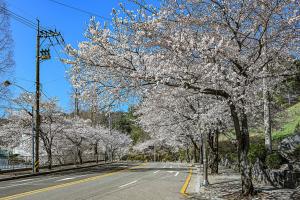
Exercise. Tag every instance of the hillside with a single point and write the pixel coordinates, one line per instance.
(288, 121)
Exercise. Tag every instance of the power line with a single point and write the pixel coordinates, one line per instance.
(80, 10)
(57, 53)
(21, 19)
(45, 95)
(20, 78)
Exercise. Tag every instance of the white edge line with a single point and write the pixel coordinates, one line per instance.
(64, 179)
(27, 183)
(23, 180)
(128, 184)
(69, 178)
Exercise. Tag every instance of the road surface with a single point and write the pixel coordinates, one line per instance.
(122, 181)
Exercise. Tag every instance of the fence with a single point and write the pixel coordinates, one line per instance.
(20, 162)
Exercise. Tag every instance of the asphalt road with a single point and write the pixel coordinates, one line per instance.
(150, 181)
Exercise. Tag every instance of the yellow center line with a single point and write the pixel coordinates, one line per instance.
(186, 183)
(66, 184)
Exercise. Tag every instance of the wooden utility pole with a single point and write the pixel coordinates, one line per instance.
(37, 101)
(41, 54)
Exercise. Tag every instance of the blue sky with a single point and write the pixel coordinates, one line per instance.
(70, 23)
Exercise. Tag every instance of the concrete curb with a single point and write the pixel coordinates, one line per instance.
(194, 184)
(49, 172)
(183, 190)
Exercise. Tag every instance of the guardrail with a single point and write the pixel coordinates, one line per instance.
(25, 162)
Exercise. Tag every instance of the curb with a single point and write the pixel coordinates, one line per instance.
(49, 172)
(186, 183)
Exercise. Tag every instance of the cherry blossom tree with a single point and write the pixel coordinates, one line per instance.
(13, 130)
(213, 48)
(77, 133)
(176, 115)
(21, 123)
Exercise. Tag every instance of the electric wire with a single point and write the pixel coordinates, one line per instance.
(57, 53)
(45, 95)
(21, 19)
(29, 24)
(87, 12)
(80, 10)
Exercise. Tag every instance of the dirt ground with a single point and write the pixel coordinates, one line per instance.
(227, 186)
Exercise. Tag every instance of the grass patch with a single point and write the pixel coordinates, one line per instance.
(274, 160)
(289, 120)
(285, 124)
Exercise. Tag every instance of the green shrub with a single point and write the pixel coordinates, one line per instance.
(274, 160)
(257, 151)
(297, 128)
(182, 155)
(233, 157)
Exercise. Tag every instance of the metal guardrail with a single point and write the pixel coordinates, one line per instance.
(22, 162)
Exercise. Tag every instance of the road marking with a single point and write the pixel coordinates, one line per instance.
(164, 166)
(70, 178)
(64, 185)
(171, 171)
(176, 174)
(23, 180)
(156, 171)
(128, 184)
(186, 183)
(27, 183)
(64, 179)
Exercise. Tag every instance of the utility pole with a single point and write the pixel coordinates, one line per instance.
(110, 127)
(33, 163)
(37, 101)
(43, 54)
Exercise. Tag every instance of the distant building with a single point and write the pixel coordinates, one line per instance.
(4, 153)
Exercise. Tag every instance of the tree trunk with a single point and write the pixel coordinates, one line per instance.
(237, 129)
(112, 155)
(187, 155)
(195, 155)
(105, 154)
(79, 153)
(96, 151)
(214, 151)
(49, 152)
(201, 152)
(154, 154)
(267, 120)
(247, 186)
(195, 151)
(205, 162)
(267, 99)
(242, 136)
